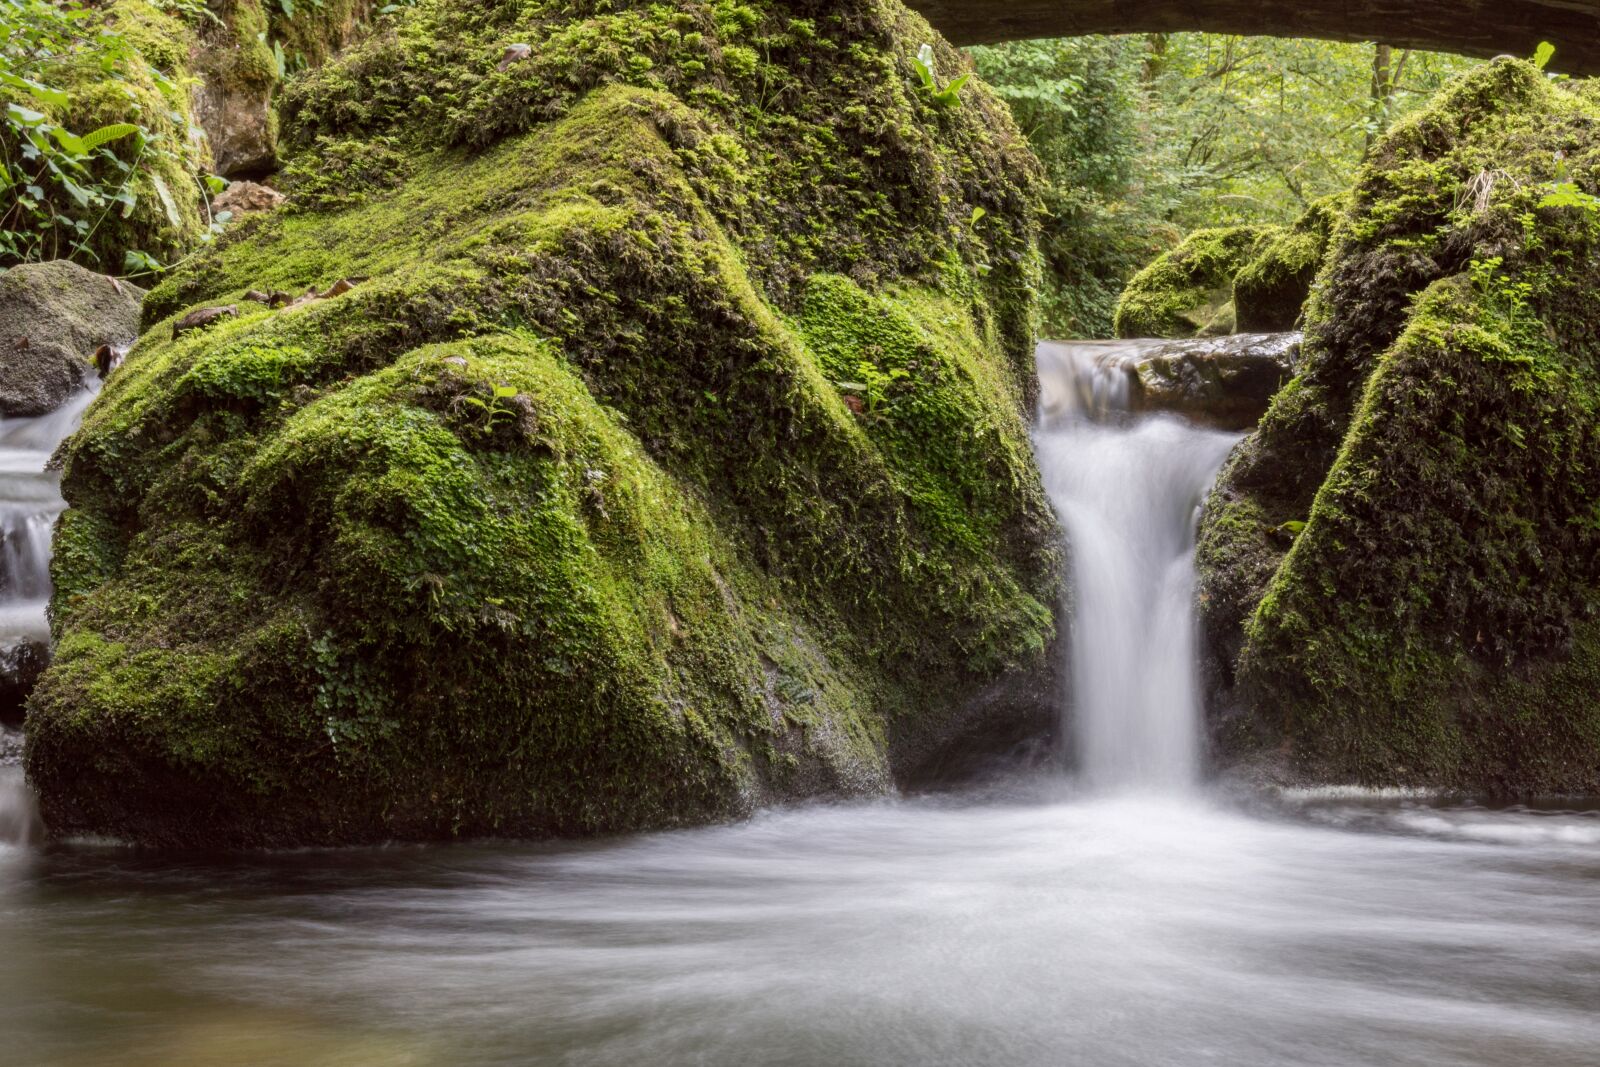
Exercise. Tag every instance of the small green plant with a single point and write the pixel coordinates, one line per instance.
(1510, 300)
(1564, 192)
(948, 95)
(873, 388)
(494, 410)
(1543, 54)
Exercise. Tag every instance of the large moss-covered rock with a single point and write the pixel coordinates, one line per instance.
(52, 318)
(668, 456)
(1271, 288)
(1399, 571)
(1189, 290)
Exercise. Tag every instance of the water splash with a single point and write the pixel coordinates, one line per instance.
(30, 503)
(1128, 489)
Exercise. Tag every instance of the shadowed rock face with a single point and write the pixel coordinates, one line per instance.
(1472, 27)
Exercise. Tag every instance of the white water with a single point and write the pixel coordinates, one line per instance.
(30, 503)
(1128, 489)
(1024, 924)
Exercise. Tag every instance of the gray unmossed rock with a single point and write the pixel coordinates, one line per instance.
(1226, 381)
(52, 318)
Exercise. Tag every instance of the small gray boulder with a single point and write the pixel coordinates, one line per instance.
(52, 318)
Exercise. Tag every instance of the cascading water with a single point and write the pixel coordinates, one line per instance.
(1128, 488)
(30, 502)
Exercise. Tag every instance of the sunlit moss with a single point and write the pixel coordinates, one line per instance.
(561, 519)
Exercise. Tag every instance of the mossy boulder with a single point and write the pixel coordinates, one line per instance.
(668, 457)
(1271, 288)
(1399, 570)
(52, 318)
(1189, 291)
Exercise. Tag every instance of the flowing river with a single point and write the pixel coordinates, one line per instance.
(1120, 915)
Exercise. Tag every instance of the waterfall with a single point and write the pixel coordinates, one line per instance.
(30, 503)
(1128, 489)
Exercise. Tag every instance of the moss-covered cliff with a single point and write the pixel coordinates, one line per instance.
(1399, 569)
(667, 457)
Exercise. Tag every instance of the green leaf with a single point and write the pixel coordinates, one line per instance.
(70, 142)
(76, 191)
(504, 391)
(167, 203)
(951, 93)
(24, 116)
(106, 134)
(1543, 54)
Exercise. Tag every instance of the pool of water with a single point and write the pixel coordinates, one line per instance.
(1023, 924)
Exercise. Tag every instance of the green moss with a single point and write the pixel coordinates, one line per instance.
(148, 89)
(1433, 622)
(1186, 291)
(315, 31)
(558, 521)
(1271, 288)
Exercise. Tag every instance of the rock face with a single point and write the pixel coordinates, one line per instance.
(1189, 291)
(239, 72)
(1224, 381)
(1400, 570)
(240, 125)
(1270, 289)
(52, 318)
(669, 458)
(21, 663)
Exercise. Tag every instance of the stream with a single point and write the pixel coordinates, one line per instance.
(1125, 914)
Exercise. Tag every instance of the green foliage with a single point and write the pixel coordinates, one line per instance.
(1079, 101)
(873, 388)
(1145, 139)
(947, 95)
(120, 195)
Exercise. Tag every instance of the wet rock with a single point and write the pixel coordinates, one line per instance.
(53, 316)
(11, 743)
(1224, 381)
(21, 664)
